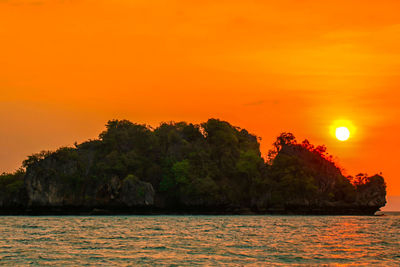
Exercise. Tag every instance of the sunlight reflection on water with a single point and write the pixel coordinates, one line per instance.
(199, 240)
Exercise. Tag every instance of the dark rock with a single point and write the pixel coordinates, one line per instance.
(136, 193)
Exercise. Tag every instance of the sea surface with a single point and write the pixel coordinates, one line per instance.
(200, 240)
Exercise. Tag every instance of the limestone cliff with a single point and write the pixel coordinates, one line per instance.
(212, 167)
(53, 184)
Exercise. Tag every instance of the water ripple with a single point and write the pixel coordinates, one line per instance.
(200, 240)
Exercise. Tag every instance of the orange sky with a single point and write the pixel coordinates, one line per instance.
(66, 67)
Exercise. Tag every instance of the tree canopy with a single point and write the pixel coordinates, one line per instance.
(212, 163)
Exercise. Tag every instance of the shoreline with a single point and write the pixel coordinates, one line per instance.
(155, 212)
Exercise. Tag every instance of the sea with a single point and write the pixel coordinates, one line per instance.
(200, 240)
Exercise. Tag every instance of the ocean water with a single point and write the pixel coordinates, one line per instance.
(200, 240)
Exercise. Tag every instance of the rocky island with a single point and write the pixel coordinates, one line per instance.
(184, 168)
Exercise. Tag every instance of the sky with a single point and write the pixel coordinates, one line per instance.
(67, 67)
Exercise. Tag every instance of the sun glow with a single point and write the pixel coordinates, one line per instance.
(342, 133)
(342, 130)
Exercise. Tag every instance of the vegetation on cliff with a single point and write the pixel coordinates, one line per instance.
(211, 166)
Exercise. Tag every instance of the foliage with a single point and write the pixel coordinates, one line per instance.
(187, 163)
(293, 179)
(363, 180)
(12, 183)
(35, 158)
(309, 172)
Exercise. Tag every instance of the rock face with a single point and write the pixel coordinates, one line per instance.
(372, 193)
(212, 167)
(46, 187)
(327, 190)
(136, 193)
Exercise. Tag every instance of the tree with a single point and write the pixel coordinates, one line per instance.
(360, 179)
(284, 139)
(35, 158)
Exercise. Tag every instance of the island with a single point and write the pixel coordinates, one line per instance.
(184, 168)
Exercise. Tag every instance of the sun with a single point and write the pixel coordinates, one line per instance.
(342, 133)
(343, 129)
